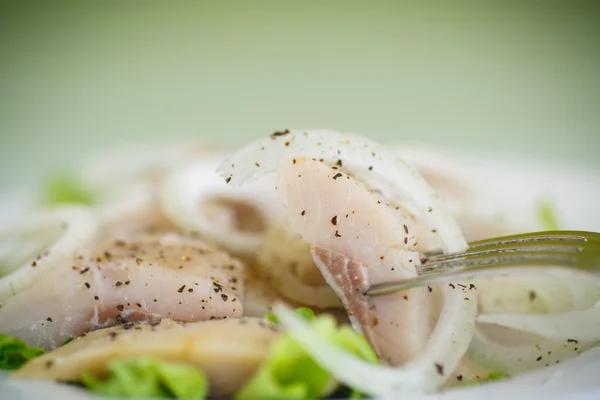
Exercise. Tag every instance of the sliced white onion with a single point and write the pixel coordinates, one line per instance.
(16, 203)
(131, 210)
(536, 294)
(186, 198)
(118, 203)
(585, 293)
(512, 352)
(117, 166)
(279, 261)
(375, 380)
(358, 154)
(584, 325)
(575, 379)
(484, 204)
(537, 320)
(43, 241)
(572, 306)
(456, 185)
(451, 336)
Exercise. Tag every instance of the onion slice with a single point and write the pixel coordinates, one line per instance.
(573, 379)
(281, 263)
(374, 380)
(43, 241)
(186, 197)
(513, 352)
(117, 166)
(358, 155)
(569, 306)
(583, 325)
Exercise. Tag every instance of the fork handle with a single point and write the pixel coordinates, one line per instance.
(551, 238)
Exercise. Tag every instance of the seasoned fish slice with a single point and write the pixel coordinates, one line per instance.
(144, 279)
(359, 240)
(228, 351)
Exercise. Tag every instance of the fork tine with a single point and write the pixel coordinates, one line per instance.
(560, 250)
(458, 275)
(470, 267)
(474, 261)
(511, 248)
(542, 236)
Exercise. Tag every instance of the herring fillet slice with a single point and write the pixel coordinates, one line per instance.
(228, 351)
(359, 240)
(353, 153)
(142, 279)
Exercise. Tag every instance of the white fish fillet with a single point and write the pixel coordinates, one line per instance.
(359, 241)
(121, 282)
(227, 351)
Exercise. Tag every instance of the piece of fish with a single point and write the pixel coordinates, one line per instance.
(143, 279)
(227, 351)
(359, 240)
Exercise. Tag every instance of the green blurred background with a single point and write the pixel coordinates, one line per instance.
(520, 76)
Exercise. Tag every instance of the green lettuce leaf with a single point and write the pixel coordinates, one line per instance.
(14, 352)
(64, 189)
(547, 216)
(290, 373)
(495, 376)
(302, 311)
(148, 377)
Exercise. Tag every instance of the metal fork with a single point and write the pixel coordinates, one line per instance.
(553, 251)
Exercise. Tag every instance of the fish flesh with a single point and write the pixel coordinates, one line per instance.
(142, 279)
(358, 241)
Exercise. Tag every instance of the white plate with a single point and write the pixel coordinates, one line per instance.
(576, 195)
